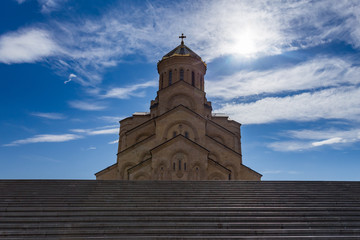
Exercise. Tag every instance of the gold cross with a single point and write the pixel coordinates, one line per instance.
(182, 38)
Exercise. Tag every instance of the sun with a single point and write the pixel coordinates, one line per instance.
(244, 42)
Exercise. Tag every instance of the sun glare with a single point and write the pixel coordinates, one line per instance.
(244, 43)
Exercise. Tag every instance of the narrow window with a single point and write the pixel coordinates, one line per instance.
(185, 166)
(174, 166)
(181, 74)
(186, 134)
(170, 77)
(201, 83)
(162, 81)
(182, 51)
(174, 134)
(193, 79)
(179, 164)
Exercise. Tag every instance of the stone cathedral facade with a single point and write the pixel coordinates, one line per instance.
(180, 138)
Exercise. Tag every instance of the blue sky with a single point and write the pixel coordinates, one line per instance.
(289, 71)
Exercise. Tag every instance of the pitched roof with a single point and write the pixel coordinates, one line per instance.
(182, 50)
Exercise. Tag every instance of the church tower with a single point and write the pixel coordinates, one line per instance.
(180, 138)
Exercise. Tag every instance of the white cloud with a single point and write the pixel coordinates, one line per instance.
(71, 76)
(114, 119)
(316, 73)
(334, 103)
(20, 1)
(90, 45)
(351, 135)
(290, 146)
(98, 131)
(27, 46)
(80, 133)
(48, 6)
(45, 138)
(54, 116)
(87, 106)
(104, 131)
(126, 92)
(304, 139)
(328, 141)
(113, 142)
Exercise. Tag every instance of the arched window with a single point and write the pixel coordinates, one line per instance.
(170, 77)
(186, 134)
(201, 82)
(193, 79)
(181, 74)
(174, 134)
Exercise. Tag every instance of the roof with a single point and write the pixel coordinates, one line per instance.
(182, 50)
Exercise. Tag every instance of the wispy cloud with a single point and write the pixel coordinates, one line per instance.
(112, 129)
(48, 6)
(113, 142)
(328, 141)
(310, 139)
(104, 131)
(87, 106)
(76, 134)
(334, 103)
(316, 73)
(71, 77)
(113, 119)
(129, 91)
(45, 138)
(54, 116)
(27, 45)
(92, 44)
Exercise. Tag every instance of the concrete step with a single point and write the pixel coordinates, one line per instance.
(67, 209)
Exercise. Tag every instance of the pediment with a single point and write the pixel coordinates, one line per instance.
(179, 141)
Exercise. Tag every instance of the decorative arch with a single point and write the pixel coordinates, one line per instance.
(217, 176)
(179, 164)
(192, 134)
(142, 176)
(196, 171)
(184, 99)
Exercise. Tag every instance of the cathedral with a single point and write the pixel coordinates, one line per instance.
(180, 138)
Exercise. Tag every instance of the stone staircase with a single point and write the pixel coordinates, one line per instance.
(89, 209)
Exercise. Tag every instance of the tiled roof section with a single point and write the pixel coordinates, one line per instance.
(182, 49)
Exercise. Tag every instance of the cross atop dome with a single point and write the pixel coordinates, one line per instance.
(182, 38)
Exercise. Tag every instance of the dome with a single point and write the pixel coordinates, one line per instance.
(182, 50)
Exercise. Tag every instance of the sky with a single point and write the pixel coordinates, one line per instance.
(288, 71)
